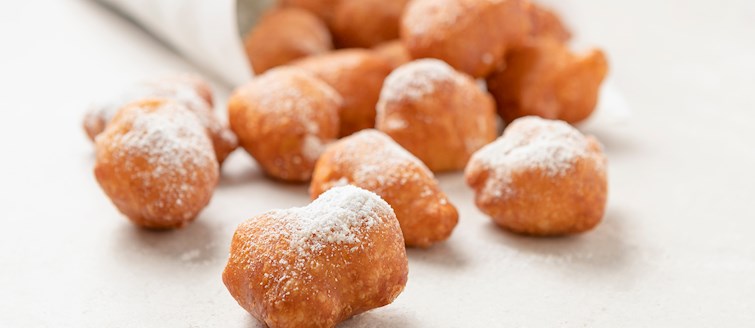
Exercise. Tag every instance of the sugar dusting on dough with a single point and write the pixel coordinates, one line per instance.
(389, 163)
(342, 216)
(530, 142)
(184, 93)
(278, 98)
(428, 16)
(416, 79)
(173, 142)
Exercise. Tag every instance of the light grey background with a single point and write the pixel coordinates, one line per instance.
(676, 247)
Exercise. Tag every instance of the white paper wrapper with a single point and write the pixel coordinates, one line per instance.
(208, 32)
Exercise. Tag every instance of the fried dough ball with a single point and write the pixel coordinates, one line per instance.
(436, 113)
(470, 35)
(322, 8)
(371, 160)
(156, 163)
(191, 91)
(546, 79)
(394, 52)
(357, 75)
(366, 23)
(283, 35)
(318, 265)
(546, 23)
(284, 118)
(541, 178)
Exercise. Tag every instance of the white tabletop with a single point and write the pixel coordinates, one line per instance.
(676, 247)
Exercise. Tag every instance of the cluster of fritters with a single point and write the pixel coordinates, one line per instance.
(369, 127)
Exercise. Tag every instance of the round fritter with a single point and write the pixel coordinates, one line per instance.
(325, 9)
(318, 265)
(436, 113)
(544, 78)
(366, 23)
(356, 74)
(394, 52)
(470, 35)
(190, 90)
(547, 24)
(283, 35)
(540, 178)
(284, 118)
(156, 163)
(369, 159)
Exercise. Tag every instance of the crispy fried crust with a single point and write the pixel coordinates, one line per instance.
(156, 163)
(471, 35)
(436, 113)
(322, 8)
(356, 74)
(190, 90)
(394, 52)
(546, 23)
(366, 23)
(546, 79)
(284, 118)
(371, 160)
(529, 199)
(322, 283)
(284, 35)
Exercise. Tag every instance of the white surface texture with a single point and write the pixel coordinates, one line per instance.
(675, 248)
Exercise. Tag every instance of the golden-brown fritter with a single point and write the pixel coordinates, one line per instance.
(325, 9)
(318, 265)
(156, 163)
(471, 35)
(540, 178)
(284, 118)
(191, 91)
(366, 23)
(547, 24)
(544, 78)
(371, 160)
(356, 74)
(436, 113)
(283, 35)
(394, 52)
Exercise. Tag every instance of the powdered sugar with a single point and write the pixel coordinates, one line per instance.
(342, 216)
(183, 92)
(415, 80)
(279, 96)
(173, 143)
(530, 143)
(387, 163)
(312, 147)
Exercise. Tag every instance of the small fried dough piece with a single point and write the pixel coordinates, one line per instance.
(284, 118)
(541, 178)
(190, 90)
(283, 35)
(436, 113)
(471, 35)
(371, 160)
(324, 9)
(366, 23)
(546, 79)
(357, 75)
(393, 52)
(156, 163)
(318, 265)
(546, 23)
